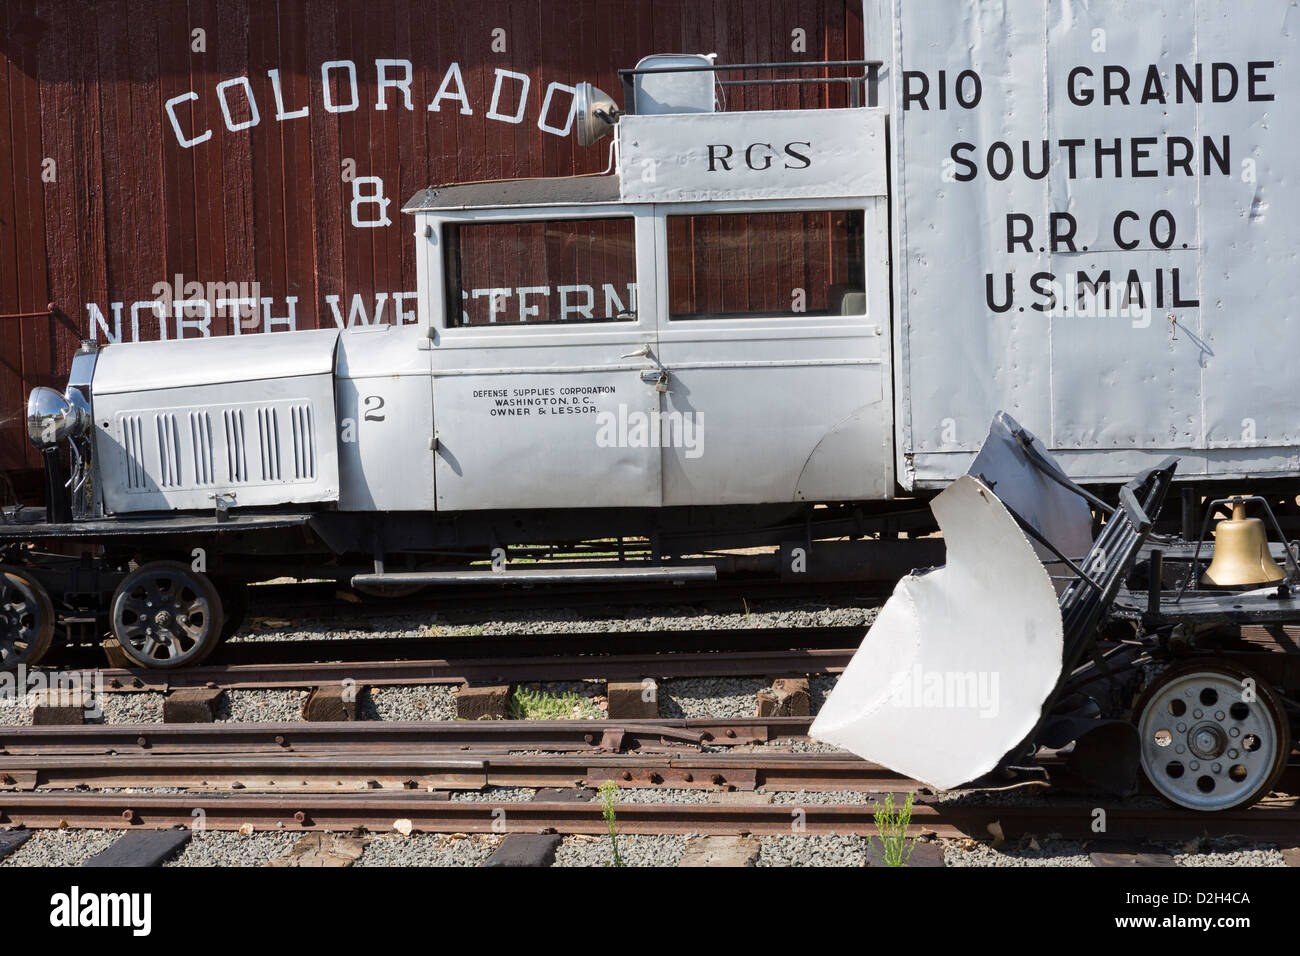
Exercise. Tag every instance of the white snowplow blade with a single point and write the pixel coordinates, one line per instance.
(956, 668)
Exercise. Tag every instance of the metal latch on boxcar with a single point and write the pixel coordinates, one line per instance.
(658, 377)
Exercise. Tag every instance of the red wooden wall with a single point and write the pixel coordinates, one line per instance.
(100, 201)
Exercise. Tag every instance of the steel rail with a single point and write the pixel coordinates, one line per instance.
(254, 650)
(302, 773)
(380, 737)
(483, 671)
(378, 812)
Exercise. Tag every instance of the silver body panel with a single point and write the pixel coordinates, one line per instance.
(489, 456)
(1110, 395)
(250, 420)
(384, 395)
(791, 408)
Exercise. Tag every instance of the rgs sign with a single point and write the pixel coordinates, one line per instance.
(759, 156)
(794, 154)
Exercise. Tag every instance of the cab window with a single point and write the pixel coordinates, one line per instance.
(766, 264)
(541, 272)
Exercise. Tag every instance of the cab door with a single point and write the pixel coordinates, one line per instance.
(775, 343)
(544, 379)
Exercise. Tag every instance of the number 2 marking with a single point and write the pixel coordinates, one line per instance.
(373, 403)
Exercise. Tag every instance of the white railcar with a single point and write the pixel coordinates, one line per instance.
(596, 357)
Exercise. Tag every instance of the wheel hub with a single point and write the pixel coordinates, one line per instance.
(1206, 743)
(166, 615)
(26, 619)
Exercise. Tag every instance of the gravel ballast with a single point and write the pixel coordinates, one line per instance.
(634, 850)
(429, 849)
(566, 621)
(61, 847)
(816, 850)
(260, 706)
(229, 848)
(427, 702)
(719, 698)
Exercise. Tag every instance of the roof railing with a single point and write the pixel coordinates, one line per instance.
(869, 81)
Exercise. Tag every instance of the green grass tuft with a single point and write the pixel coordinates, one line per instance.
(608, 801)
(526, 704)
(891, 827)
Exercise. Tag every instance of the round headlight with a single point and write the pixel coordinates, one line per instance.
(52, 417)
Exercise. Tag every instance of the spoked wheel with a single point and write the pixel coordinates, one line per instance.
(1213, 736)
(26, 620)
(166, 615)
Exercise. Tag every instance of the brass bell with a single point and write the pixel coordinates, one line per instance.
(1241, 553)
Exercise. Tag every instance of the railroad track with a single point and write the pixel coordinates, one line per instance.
(350, 772)
(374, 673)
(346, 775)
(383, 737)
(434, 813)
(443, 756)
(438, 660)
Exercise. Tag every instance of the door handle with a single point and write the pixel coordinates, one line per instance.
(658, 377)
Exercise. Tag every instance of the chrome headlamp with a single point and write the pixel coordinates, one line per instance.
(52, 417)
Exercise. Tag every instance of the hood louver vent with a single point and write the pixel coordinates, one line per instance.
(201, 442)
(268, 433)
(248, 421)
(304, 444)
(169, 451)
(236, 457)
(131, 434)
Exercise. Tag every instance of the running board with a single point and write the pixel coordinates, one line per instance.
(674, 574)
